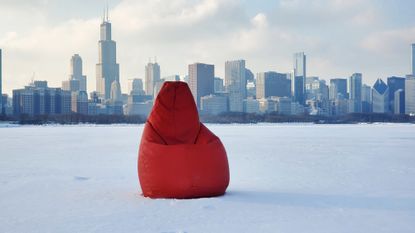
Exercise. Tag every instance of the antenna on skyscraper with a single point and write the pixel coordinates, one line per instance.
(155, 59)
(32, 80)
(107, 13)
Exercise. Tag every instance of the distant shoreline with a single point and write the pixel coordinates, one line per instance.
(225, 118)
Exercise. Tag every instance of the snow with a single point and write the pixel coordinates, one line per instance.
(284, 178)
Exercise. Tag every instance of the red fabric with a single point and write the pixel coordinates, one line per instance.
(179, 157)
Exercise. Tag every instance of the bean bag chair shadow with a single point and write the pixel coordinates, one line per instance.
(179, 157)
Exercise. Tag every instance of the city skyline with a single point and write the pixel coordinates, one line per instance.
(184, 32)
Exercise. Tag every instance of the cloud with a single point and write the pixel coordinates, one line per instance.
(388, 41)
(45, 51)
(391, 48)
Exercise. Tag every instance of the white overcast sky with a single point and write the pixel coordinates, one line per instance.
(339, 37)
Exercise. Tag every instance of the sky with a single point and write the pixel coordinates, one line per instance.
(339, 37)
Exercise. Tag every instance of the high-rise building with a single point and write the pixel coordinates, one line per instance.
(185, 78)
(115, 94)
(339, 107)
(284, 105)
(152, 77)
(316, 89)
(79, 103)
(218, 85)
(338, 89)
(251, 90)
(71, 85)
(317, 93)
(323, 90)
(311, 84)
(380, 97)
(40, 84)
(399, 102)
(39, 99)
(280, 105)
(201, 80)
(366, 99)
(394, 84)
(249, 76)
(77, 81)
(135, 86)
(339, 103)
(174, 77)
(250, 84)
(1, 93)
(272, 84)
(7, 107)
(139, 108)
(410, 94)
(299, 77)
(267, 105)
(107, 69)
(157, 88)
(214, 104)
(251, 105)
(413, 59)
(355, 92)
(235, 82)
(115, 104)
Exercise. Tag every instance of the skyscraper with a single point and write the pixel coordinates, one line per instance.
(298, 78)
(174, 77)
(152, 77)
(310, 87)
(410, 94)
(355, 92)
(316, 89)
(399, 102)
(135, 86)
(235, 82)
(413, 59)
(157, 87)
(76, 71)
(338, 88)
(79, 102)
(201, 80)
(213, 104)
(272, 84)
(380, 97)
(394, 84)
(218, 85)
(77, 81)
(249, 76)
(107, 69)
(366, 98)
(115, 94)
(39, 99)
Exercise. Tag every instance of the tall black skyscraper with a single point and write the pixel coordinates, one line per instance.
(107, 69)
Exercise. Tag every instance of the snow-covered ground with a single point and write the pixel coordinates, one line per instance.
(284, 178)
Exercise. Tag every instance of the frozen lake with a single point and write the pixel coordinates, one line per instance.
(284, 178)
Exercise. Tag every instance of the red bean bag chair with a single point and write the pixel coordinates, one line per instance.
(179, 157)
